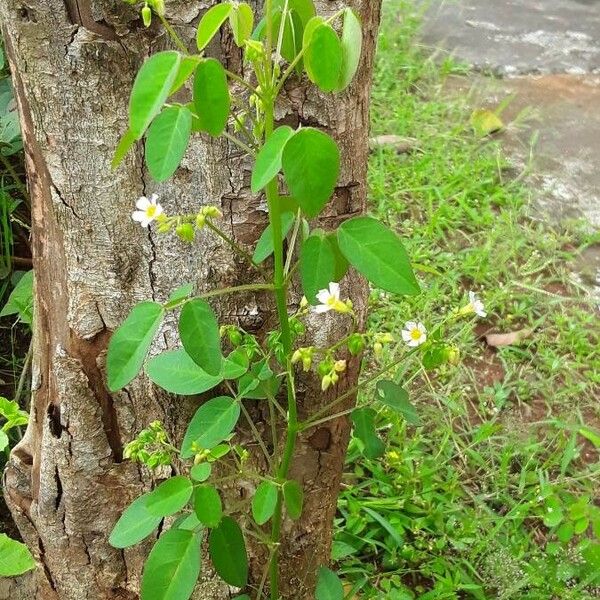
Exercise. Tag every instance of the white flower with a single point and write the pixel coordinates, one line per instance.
(330, 300)
(414, 334)
(148, 210)
(476, 305)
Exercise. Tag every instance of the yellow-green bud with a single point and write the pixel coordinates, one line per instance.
(212, 211)
(356, 344)
(185, 232)
(200, 221)
(325, 382)
(147, 15)
(378, 349)
(340, 366)
(303, 302)
(255, 50)
(159, 7)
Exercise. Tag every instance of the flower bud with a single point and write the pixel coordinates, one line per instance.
(340, 366)
(325, 382)
(185, 232)
(200, 221)
(297, 356)
(255, 50)
(212, 212)
(159, 7)
(378, 349)
(356, 344)
(147, 15)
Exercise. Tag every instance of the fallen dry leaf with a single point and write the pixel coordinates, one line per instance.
(496, 340)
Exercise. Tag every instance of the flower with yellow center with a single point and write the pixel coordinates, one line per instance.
(330, 300)
(475, 305)
(148, 210)
(414, 334)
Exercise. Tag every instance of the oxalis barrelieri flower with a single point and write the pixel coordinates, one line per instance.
(330, 300)
(148, 210)
(414, 333)
(475, 305)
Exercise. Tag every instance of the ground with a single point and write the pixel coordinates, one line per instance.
(493, 496)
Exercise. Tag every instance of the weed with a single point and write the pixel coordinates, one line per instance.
(492, 498)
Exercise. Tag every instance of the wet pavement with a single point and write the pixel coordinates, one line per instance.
(544, 57)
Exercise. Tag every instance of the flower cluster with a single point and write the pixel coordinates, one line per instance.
(149, 210)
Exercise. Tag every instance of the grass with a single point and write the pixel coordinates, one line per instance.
(493, 496)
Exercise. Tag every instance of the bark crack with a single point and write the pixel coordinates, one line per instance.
(80, 13)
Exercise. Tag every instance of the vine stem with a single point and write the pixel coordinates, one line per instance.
(173, 35)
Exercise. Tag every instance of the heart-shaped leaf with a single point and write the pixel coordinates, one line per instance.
(311, 165)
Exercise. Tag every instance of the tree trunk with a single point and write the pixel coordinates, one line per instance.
(74, 62)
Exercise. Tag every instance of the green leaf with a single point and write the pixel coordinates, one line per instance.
(4, 441)
(136, 523)
(20, 301)
(341, 262)
(396, 537)
(186, 68)
(352, 37)
(167, 141)
(311, 165)
(309, 29)
(323, 58)
(293, 496)
(170, 496)
(364, 429)
(264, 246)
(181, 293)
(291, 43)
(201, 472)
(396, 398)
(176, 372)
(236, 364)
(15, 558)
(377, 253)
(264, 502)
(123, 147)
(130, 343)
(211, 97)
(317, 265)
(207, 505)
(565, 532)
(211, 22)
(591, 435)
(329, 585)
(241, 20)
(304, 8)
(150, 90)
(212, 423)
(268, 160)
(199, 332)
(173, 566)
(228, 553)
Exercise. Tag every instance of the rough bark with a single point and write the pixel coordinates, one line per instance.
(66, 484)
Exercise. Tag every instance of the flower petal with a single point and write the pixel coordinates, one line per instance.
(406, 335)
(323, 296)
(410, 325)
(321, 308)
(139, 216)
(334, 290)
(143, 203)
